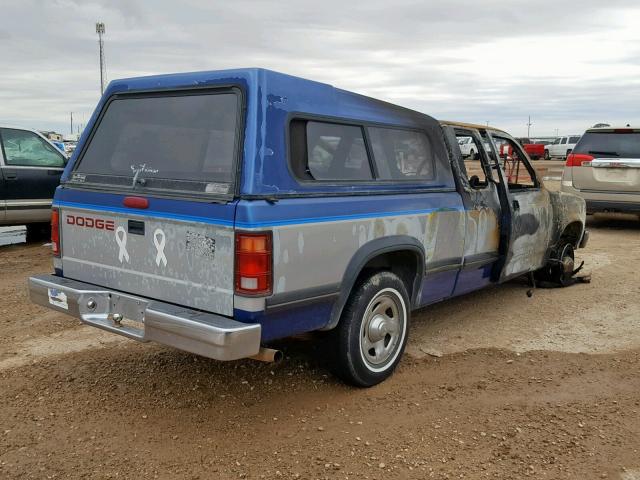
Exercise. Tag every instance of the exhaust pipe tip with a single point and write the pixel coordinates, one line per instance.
(268, 355)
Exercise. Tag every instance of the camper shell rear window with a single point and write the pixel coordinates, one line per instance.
(171, 141)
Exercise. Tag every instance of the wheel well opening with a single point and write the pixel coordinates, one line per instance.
(403, 263)
(572, 233)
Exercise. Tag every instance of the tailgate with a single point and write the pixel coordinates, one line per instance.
(176, 261)
(609, 174)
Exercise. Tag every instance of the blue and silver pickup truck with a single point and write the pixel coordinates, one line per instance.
(217, 211)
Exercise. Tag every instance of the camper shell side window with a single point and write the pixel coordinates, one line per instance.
(335, 152)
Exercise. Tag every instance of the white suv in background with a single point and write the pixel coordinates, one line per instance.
(604, 169)
(467, 147)
(561, 147)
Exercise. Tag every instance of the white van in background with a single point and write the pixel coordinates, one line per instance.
(561, 147)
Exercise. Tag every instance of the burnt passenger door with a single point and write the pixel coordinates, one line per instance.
(480, 193)
(528, 210)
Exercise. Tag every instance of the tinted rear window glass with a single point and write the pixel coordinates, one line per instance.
(574, 139)
(336, 152)
(401, 154)
(173, 142)
(612, 144)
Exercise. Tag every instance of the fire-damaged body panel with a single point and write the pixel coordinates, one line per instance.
(217, 211)
(532, 226)
(569, 213)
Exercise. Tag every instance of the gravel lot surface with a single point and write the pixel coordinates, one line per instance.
(493, 385)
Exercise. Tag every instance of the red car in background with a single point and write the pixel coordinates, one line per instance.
(534, 148)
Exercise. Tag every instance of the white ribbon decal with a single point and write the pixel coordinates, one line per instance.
(121, 240)
(160, 246)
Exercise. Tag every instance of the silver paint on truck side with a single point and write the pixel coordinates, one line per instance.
(314, 255)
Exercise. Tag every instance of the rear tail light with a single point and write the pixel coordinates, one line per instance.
(578, 159)
(55, 232)
(254, 259)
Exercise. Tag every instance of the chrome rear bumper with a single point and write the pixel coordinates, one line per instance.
(142, 319)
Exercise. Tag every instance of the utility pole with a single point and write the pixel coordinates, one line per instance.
(529, 127)
(100, 32)
(72, 122)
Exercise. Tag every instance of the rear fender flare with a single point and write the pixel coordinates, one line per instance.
(368, 252)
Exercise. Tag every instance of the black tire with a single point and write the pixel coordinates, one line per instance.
(37, 232)
(546, 155)
(568, 153)
(472, 154)
(384, 332)
(558, 271)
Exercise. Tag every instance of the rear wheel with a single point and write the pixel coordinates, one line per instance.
(372, 333)
(568, 153)
(472, 154)
(546, 155)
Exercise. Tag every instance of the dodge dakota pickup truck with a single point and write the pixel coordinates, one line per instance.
(217, 211)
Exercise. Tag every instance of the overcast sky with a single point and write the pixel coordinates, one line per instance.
(568, 64)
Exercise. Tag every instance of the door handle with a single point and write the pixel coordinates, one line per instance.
(516, 205)
(10, 175)
(54, 172)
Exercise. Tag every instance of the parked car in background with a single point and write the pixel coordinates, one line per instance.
(362, 212)
(604, 169)
(534, 150)
(59, 145)
(69, 147)
(31, 168)
(70, 141)
(561, 147)
(467, 147)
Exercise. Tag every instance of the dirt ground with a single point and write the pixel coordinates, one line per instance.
(493, 385)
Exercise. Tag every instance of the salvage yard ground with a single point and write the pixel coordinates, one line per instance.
(493, 385)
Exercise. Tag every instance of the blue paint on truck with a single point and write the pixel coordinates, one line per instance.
(222, 210)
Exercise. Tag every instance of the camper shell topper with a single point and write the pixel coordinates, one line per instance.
(217, 211)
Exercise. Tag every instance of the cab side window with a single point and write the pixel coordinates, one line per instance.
(473, 163)
(490, 148)
(517, 170)
(26, 149)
